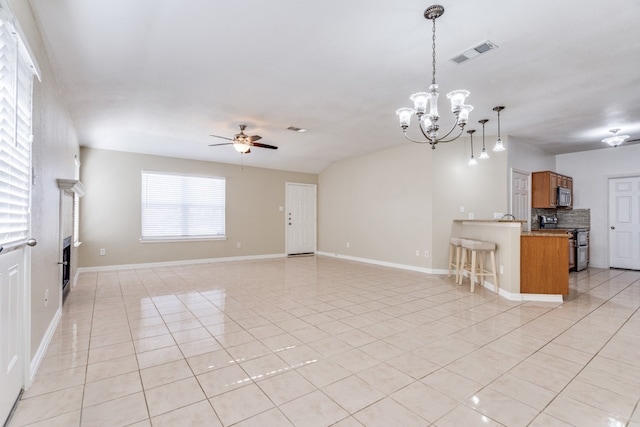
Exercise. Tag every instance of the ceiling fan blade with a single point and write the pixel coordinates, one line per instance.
(255, 138)
(223, 143)
(223, 137)
(257, 144)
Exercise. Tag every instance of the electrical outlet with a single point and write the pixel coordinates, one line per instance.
(348, 244)
(461, 209)
(417, 252)
(471, 215)
(501, 269)
(103, 251)
(426, 254)
(239, 245)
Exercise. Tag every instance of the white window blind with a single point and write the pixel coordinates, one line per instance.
(16, 82)
(182, 206)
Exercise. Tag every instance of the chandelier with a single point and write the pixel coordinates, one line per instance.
(428, 121)
(615, 140)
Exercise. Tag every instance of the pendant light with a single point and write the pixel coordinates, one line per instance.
(472, 160)
(499, 145)
(483, 154)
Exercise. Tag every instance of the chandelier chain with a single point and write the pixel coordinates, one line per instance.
(433, 50)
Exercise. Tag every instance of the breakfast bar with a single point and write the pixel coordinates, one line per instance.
(509, 238)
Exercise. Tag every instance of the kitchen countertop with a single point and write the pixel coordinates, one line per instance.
(547, 233)
(491, 220)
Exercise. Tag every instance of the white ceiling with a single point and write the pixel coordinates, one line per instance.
(159, 76)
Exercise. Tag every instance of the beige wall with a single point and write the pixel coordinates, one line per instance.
(380, 203)
(481, 190)
(54, 148)
(390, 203)
(110, 211)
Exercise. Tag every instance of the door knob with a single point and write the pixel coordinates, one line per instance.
(32, 242)
(612, 227)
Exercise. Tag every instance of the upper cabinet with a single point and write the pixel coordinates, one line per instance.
(544, 189)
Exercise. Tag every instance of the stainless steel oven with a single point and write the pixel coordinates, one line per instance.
(582, 248)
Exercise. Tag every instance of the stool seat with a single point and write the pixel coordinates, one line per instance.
(477, 264)
(478, 245)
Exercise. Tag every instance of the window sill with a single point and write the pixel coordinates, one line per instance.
(180, 239)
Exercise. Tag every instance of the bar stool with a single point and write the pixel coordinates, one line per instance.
(455, 253)
(477, 266)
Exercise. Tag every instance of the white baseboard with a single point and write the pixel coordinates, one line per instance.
(384, 263)
(42, 349)
(175, 263)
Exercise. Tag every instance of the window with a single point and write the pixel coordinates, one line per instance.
(176, 207)
(16, 82)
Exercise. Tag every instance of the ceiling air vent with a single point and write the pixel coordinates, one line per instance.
(484, 47)
(296, 129)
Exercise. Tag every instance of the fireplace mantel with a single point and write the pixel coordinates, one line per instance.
(72, 185)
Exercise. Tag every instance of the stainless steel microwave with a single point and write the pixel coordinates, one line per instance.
(564, 197)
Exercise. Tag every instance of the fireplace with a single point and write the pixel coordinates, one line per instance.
(66, 266)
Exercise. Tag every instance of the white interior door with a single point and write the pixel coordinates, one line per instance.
(11, 358)
(624, 218)
(520, 197)
(301, 218)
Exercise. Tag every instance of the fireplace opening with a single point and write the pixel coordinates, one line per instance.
(66, 266)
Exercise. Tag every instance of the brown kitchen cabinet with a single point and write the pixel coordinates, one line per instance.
(544, 187)
(544, 259)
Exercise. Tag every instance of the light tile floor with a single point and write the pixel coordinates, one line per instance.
(317, 341)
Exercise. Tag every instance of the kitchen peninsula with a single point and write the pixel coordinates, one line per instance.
(507, 235)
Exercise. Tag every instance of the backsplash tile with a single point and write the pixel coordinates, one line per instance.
(573, 218)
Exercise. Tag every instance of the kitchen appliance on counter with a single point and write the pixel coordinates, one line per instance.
(548, 221)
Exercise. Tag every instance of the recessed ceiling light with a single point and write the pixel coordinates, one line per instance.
(296, 129)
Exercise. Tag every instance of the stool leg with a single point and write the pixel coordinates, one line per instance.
(458, 265)
(451, 260)
(474, 260)
(495, 275)
(481, 267)
(462, 265)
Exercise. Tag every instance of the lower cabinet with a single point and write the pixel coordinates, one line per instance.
(543, 264)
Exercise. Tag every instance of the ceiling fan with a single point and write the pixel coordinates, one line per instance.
(243, 142)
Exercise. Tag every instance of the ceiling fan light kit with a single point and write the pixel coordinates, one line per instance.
(616, 139)
(243, 142)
